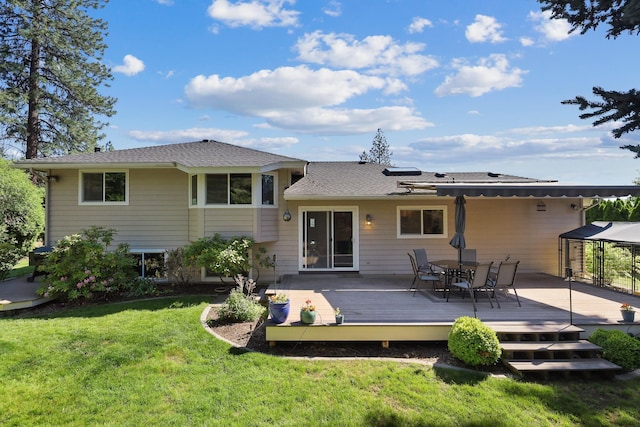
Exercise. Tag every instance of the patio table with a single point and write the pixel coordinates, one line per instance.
(453, 268)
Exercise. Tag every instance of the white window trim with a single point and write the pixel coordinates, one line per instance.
(445, 231)
(81, 173)
(256, 191)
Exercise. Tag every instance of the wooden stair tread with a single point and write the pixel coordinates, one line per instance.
(516, 328)
(563, 365)
(548, 345)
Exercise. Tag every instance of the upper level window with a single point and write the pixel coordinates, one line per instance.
(268, 189)
(422, 221)
(194, 190)
(103, 187)
(231, 189)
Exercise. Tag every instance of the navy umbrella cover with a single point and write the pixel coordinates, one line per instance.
(458, 241)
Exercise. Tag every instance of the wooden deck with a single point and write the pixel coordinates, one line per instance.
(381, 308)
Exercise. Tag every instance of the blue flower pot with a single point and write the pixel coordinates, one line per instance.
(628, 316)
(279, 311)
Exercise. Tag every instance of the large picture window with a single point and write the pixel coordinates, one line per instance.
(416, 221)
(103, 187)
(228, 189)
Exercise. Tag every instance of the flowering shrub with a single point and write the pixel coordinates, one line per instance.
(225, 257)
(80, 266)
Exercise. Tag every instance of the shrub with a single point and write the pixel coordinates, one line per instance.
(142, 286)
(80, 266)
(473, 342)
(21, 216)
(177, 266)
(240, 305)
(618, 348)
(225, 257)
(9, 256)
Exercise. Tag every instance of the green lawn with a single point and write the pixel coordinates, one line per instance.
(151, 363)
(22, 268)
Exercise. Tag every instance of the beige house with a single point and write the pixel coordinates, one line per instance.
(315, 216)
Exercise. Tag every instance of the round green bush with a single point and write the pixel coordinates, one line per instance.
(473, 342)
(618, 348)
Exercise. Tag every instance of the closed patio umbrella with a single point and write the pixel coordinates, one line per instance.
(458, 241)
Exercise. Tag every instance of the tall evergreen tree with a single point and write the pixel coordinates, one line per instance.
(620, 16)
(50, 72)
(379, 152)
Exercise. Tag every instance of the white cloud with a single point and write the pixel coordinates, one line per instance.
(255, 13)
(377, 54)
(304, 100)
(526, 41)
(485, 29)
(131, 66)
(165, 2)
(333, 8)
(182, 135)
(492, 73)
(336, 121)
(417, 25)
(554, 30)
(285, 88)
(230, 136)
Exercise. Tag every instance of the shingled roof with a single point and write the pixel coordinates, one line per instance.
(206, 153)
(352, 180)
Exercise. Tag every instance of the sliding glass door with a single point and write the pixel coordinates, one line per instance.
(329, 239)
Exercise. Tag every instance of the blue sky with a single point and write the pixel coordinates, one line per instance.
(456, 85)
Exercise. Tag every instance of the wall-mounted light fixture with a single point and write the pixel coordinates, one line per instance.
(541, 207)
(368, 219)
(574, 207)
(286, 216)
(52, 178)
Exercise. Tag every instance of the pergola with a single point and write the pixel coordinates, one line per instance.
(619, 272)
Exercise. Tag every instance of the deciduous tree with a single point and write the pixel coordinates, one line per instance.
(50, 72)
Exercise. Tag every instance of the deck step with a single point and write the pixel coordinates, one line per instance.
(566, 366)
(549, 349)
(538, 332)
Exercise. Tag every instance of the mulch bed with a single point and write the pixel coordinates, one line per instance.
(252, 336)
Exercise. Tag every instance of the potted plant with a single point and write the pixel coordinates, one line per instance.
(339, 316)
(279, 307)
(628, 313)
(308, 313)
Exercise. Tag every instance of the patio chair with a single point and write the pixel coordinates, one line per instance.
(422, 261)
(421, 276)
(468, 256)
(505, 279)
(477, 282)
